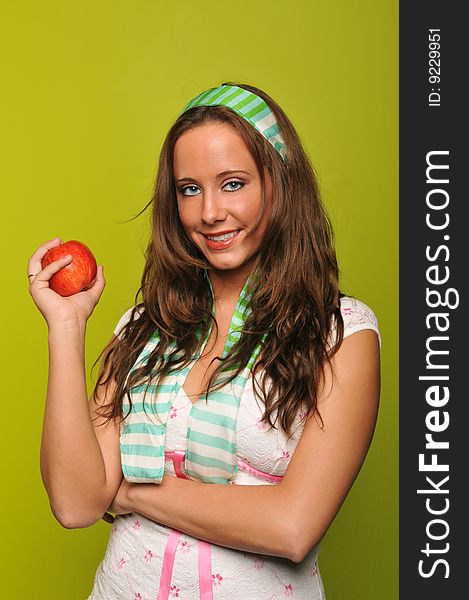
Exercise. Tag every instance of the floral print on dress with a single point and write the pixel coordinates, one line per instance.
(285, 455)
(148, 556)
(173, 412)
(217, 579)
(346, 310)
(288, 590)
(174, 591)
(121, 564)
(259, 563)
(184, 547)
(137, 524)
(138, 596)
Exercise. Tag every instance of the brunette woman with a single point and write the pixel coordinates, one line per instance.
(237, 400)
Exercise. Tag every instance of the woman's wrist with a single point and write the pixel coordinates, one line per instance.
(128, 500)
(131, 497)
(143, 498)
(75, 326)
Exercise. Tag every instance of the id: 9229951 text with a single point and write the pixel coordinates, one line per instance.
(434, 96)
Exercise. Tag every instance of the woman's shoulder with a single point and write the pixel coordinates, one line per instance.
(139, 309)
(357, 316)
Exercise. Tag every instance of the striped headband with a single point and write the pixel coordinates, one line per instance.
(251, 107)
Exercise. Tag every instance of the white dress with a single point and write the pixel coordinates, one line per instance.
(132, 566)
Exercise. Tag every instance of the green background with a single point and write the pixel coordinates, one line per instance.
(90, 90)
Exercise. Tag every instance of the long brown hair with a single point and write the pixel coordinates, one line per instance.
(295, 299)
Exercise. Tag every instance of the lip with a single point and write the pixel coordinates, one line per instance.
(221, 245)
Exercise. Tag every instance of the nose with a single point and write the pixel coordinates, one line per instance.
(213, 207)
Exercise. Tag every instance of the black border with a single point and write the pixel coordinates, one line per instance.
(425, 128)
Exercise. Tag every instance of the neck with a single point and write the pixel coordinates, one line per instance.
(228, 284)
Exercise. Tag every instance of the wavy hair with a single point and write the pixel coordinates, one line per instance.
(295, 299)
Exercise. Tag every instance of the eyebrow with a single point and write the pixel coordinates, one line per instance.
(219, 176)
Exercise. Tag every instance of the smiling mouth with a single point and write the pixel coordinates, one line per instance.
(222, 237)
(221, 240)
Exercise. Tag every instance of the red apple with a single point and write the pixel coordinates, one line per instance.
(77, 275)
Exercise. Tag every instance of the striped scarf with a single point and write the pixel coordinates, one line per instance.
(211, 432)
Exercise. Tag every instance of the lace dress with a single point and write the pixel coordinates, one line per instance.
(133, 563)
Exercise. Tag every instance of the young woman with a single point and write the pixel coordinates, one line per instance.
(236, 402)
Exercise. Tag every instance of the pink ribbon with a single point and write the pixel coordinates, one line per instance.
(204, 548)
(178, 457)
(205, 570)
(244, 466)
(168, 562)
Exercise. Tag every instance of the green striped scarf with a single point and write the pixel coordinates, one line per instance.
(211, 432)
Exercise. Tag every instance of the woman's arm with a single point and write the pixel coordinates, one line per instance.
(80, 478)
(290, 518)
(80, 462)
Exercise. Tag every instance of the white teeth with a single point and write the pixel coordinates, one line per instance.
(220, 238)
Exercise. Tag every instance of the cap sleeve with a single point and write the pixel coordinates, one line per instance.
(357, 316)
(126, 318)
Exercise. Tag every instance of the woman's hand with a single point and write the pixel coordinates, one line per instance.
(53, 307)
(120, 505)
(129, 498)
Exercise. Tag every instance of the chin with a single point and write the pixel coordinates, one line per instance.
(224, 266)
(231, 265)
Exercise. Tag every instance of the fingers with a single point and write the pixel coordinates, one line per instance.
(45, 274)
(35, 262)
(96, 287)
(108, 517)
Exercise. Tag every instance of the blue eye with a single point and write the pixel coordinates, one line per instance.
(184, 189)
(236, 183)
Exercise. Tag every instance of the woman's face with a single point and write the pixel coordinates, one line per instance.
(219, 196)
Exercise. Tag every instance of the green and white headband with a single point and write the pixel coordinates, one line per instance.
(251, 107)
